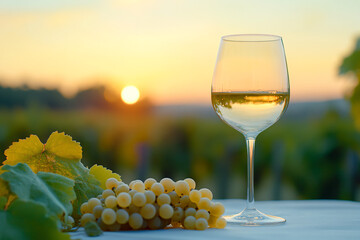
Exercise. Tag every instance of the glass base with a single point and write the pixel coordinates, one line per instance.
(253, 217)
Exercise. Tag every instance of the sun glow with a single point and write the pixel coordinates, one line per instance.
(130, 94)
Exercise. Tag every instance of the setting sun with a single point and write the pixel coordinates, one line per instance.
(130, 94)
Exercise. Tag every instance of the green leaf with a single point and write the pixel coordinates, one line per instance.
(3, 201)
(60, 155)
(53, 190)
(351, 63)
(92, 229)
(86, 187)
(27, 220)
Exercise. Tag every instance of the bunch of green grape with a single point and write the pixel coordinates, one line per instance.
(153, 205)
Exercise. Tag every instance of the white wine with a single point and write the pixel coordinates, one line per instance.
(250, 112)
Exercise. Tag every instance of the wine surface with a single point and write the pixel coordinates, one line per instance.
(250, 112)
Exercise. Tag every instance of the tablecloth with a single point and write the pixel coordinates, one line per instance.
(308, 219)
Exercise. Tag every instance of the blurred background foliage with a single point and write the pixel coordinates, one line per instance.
(311, 153)
(351, 66)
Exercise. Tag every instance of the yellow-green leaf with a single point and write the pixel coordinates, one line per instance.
(62, 145)
(23, 149)
(102, 174)
(45, 157)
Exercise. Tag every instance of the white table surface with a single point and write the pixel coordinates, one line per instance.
(309, 219)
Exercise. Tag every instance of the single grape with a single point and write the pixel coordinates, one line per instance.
(84, 208)
(97, 211)
(175, 199)
(201, 224)
(163, 199)
(122, 216)
(149, 182)
(150, 196)
(182, 188)
(93, 202)
(190, 212)
(202, 213)
(166, 211)
(157, 188)
(217, 209)
(184, 201)
(107, 192)
(212, 221)
(87, 217)
(190, 222)
(108, 216)
(139, 186)
(148, 211)
(206, 193)
(195, 196)
(178, 214)
(139, 199)
(135, 221)
(191, 183)
(221, 223)
(168, 184)
(204, 203)
(154, 223)
(132, 192)
(99, 196)
(123, 200)
(111, 183)
(122, 188)
(132, 183)
(111, 202)
(70, 220)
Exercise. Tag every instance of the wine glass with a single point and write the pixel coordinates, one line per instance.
(250, 91)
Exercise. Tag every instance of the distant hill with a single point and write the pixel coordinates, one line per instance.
(23, 97)
(93, 98)
(308, 110)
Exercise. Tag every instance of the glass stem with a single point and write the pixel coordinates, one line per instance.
(250, 144)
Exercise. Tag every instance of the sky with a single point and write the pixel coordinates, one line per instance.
(168, 48)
